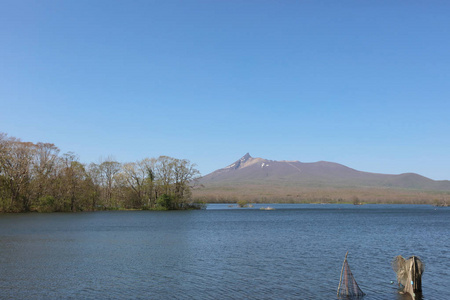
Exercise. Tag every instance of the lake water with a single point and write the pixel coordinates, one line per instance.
(293, 252)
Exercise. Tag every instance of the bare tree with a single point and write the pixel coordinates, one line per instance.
(164, 173)
(135, 181)
(184, 173)
(74, 175)
(173, 177)
(108, 170)
(139, 177)
(94, 173)
(44, 167)
(15, 165)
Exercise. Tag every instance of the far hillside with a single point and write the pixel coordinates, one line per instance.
(263, 180)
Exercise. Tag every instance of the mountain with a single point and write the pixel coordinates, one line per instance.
(262, 176)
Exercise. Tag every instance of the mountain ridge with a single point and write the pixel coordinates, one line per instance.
(322, 173)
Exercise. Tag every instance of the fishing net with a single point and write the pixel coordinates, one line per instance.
(409, 274)
(348, 288)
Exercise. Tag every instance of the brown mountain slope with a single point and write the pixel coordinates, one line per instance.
(257, 176)
(322, 173)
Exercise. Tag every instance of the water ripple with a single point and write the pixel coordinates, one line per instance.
(229, 254)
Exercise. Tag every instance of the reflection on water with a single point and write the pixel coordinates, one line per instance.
(221, 252)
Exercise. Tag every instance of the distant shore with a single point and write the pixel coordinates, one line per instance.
(277, 194)
(237, 205)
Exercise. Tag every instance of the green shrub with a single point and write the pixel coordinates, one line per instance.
(46, 204)
(165, 202)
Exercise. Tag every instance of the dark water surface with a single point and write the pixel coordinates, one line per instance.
(293, 252)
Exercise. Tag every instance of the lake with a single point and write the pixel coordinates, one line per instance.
(293, 252)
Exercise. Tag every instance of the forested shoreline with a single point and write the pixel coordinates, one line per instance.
(35, 177)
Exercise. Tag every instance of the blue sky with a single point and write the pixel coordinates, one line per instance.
(362, 83)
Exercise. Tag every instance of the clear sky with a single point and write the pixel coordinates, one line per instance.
(361, 83)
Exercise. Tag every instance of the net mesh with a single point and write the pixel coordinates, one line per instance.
(409, 274)
(348, 288)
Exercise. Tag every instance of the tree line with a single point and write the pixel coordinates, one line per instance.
(35, 177)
